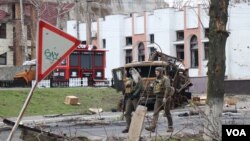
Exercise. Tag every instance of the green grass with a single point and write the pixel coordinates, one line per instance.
(47, 101)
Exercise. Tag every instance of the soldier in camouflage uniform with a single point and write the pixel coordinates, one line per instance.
(132, 93)
(163, 91)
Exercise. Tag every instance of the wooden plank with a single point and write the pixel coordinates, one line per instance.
(137, 123)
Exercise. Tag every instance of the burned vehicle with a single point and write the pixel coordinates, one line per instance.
(174, 68)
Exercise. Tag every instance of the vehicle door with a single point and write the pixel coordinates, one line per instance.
(118, 74)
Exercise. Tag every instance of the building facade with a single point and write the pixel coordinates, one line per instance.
(182, 33)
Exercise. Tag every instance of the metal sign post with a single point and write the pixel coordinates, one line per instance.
(53, 45)
(22, 111)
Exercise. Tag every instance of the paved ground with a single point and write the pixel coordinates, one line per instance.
(107, 124)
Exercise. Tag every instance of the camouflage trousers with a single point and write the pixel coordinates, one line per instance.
(158, 106)
(130, 107)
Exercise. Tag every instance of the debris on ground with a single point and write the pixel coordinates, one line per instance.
(199, 100)
(95, 110)
(190, 113)
(230, 101)
(71, 100)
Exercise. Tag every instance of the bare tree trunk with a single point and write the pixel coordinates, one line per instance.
(59, 8)
(216, 68)
(33, 26)
(17, 39)
(24, 38)
(77, 12)
(88, 25)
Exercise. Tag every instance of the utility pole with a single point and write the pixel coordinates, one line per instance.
(24, 38)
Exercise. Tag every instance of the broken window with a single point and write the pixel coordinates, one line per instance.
(180, 52)
(103, 43)
(3, 30)
(206, 50)
(3, 59)
(128, 58)
(180, 35)
(194, 52)
(152, 50)
(152, 38)
(141, 54)
(128, 41)
(206, 32)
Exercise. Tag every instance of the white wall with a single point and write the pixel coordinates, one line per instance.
(192, 18)
(112, 30)
(238, 43)
(82, 28)
(150, 24)
(71, 28)
(193, 72)
(128, 26)
(204, 16)
(163, 29)
(179, 20)
(93, 28)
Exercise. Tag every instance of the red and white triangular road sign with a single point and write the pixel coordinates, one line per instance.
(53, 46)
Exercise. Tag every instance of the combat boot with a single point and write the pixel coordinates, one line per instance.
(150, 128)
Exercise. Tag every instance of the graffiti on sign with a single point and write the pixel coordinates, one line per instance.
(51, 55)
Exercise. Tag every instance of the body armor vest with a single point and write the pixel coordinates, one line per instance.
(129, 86)
(159, 85)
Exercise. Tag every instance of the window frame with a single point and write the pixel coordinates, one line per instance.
(179, 51)
(152, 38)
(129, 40)
(178, 36)
(4, 57)
(141, 52)
(206, 50)
(194, 54)
(128, 56)
(103, 43)
(3, 30)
